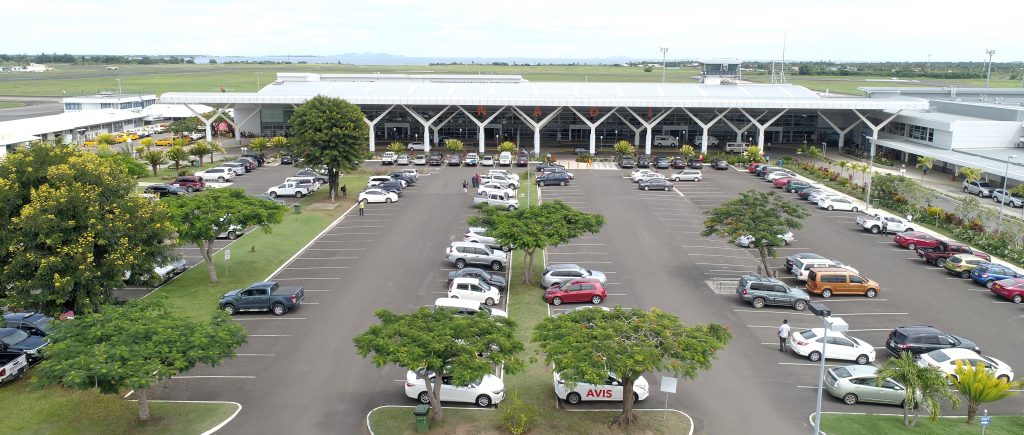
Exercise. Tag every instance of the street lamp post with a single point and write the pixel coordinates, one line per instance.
(118, 88)
(988, 76)
(871, 171)
(664, 52)
(835, 324)
(258, 80)
(1006, 174)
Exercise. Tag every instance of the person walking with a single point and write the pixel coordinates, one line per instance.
(465, 186)
(362, 205)
(784, 332)
(903, 170)
(885, 227)
(344, 191)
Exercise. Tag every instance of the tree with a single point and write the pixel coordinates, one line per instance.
(396, 147)
(970, 174)
(200, 218)
(762, 215)
(280, 142)
(146, 142)
(623, 147)
(105, 139)
(979, 385)
(73, 226)
(177, 154)
(259, 144)
(587, 345)
(155, 158)
(215, 147)
(329, 133)
(185, 125)
(454, 145)
(843, 164)
(507, 146)
(814, 153)
(753, 154)
(925, 164)
(536, 227)
(430, 341)
(134, 346)
(862, 168)
(924, 384)
(133, 167)
(181, 142)
(687, 151)
(200, 149)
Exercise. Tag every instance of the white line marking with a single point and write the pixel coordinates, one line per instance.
(255, 354)
(269, 335)
(213, 377)
(868, 330)
(328, 258)
(238, 319)
(299, 279)
(807, 364)
(731, 265)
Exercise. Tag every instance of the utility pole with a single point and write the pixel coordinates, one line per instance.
(989, 76)
(664, 52)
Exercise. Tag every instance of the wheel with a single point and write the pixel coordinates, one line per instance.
(573, 398)
(826, 293)
(1017, 299)
(561, 183)
(1003, 378)
(676, 179)
(965, 190)
(862, 359)
(988, 284)
(829, 208)
(556, 301)
(495, 265)
(460, 263)
(912, 246)
(647, 187)
(965, 274)
(941, 262)
(980, 195)
(483, 400)
(854, 209)
(232, 235)
(221, 179)
(800, 305)
(298, 194)
(273, 194)
(757, 303)
(666, 188)
(506, 248)
(871, 293)
(278, 309)
(814, 356)
(792, 190)
(423, 398)
(511, 207)
(540, 183)
(908, 229)
(696, 179)
(851, 399)
(875, 229)
(489, 301)
(387, 200)
(595, 300)
(994, 199)
(230, 309)
(636, 397)
(190, 189)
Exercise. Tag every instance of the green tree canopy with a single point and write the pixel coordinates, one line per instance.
(623, 147)
(131, 166)
(925, 164)
(753, 154)
(155, 158)
(438, 340)
(185, 125)
(177, 154)
(687, 151)
(74, 225)
(199, 218)
(134, 346)
(924, 384)
(259, 144)
(536, 227)
(970, 174)
(201, 149)
(454, 145)
(507, 146)
(329, 134)
(585, 345)
(979, 385)
(763, 215)
(396, 147)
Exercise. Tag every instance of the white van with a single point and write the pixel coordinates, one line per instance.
(804, 265)
(505, 158)
(467, 307)
(712, 141)
(666, 141)
(736, 147)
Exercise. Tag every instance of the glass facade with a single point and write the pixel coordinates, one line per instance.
(274, 122)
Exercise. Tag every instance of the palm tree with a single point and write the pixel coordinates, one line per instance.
(155, 158)
(862, 168)
(200, 150)
(925, 164)
(146, 142)
(753, 154)
(454, 145)
(507, 146)
(923, 384)
(843, 164)
(687, 151)
(259, 144)
(970, 174)
(623, 147)
(177, 154)
(979, 385)
(396, 147)
(215, 148)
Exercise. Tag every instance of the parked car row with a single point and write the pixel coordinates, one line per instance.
(303, 183)
(22, 342)
(228, 170)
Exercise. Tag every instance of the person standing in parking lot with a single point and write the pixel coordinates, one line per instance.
(783, 335)
(465, 186)
(885, 228)
(362, 205)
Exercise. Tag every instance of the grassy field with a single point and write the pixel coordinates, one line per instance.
(849, 84)
(30, 410)
(10, 104)
(853, 424)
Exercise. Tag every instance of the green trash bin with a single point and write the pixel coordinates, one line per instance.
(421, 411)
(195, 163)
(297, 208)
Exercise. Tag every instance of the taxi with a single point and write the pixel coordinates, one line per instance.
(164, 141)
(611, 390)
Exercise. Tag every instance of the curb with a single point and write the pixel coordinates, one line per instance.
(220, 425)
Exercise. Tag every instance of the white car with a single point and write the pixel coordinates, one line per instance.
(945, 360)
(377, 179)
(817, 196)
(475, 290)
(506, 174)
(650, 176)
(779, 174)
(839, 346)
(508, 182)
(746, 241)
(288, 189)
(472, 159)
(611, 390)
(416, 146)
(378, 195)
(487, 161)
(639, 173)
(486, 391)
(687, 175)
(1009, 198)
(490, 188)
(238, 168)
(712, 141)
(466, 307)
(419, 160)
(219, 173)
(388, 158)
(838, 203)
(505, 158)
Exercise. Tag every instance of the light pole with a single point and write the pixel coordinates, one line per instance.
(828, 323)
(989, 75)
(664, 52)
(258, 80)
(1006, 174)
(871, 171)
(118, 88)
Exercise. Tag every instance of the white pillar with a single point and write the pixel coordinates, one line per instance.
(437, 128)
(636, 130)
(649, 125)
(593, 126)
(842, 131)
(373, 139)
(426, 124)
(207, 122)
(247, 118)
(481, 125)
(705, 126)
(761, 127)
(739, 131)
(536, 125)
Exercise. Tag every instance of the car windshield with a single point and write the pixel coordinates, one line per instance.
(44, 324)
(984, 184)
(15, 337)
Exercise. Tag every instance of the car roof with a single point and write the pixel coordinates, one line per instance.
(958, 352)
(457, 303)
(563, 266)
(968, 257)
(917, 329)
(861, 370)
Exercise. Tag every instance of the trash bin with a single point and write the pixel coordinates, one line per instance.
(195, 163)
(297, 208)
(876, 203)
(780, 163)
(421, 411)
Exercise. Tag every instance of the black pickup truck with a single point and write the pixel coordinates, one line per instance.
(262, 296)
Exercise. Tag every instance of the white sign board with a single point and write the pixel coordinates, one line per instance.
(227, 254)
(668, 384)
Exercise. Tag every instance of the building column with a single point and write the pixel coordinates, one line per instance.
(739, 131)
(372, 124)
(871, 158)
(636, 130)
(207, 122)
(437, 128)
(593, 127)
(761, 127)
(705, 126)
(536, 125)
(650, 126)
(481, 125)
(842, 131)
(426, 124)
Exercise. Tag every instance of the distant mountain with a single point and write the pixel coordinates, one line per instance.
(393, 59)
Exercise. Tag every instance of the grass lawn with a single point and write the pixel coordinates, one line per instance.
(849, 84)
(855, 424)
(30, 410)
(10, 104)
(533, 384)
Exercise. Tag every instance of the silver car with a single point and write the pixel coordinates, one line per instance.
(560, 273)
(1000, 195)
(462, 254)
(687, 175)
(857, 383)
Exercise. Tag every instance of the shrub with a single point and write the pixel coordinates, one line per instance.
(516, 415)
(584, 158)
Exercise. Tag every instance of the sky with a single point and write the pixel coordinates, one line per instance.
(850, 30)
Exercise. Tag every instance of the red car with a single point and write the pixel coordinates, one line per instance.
(914, 239)
(781, 182)
(752, 166)
(1012, 289)
(190, 183)
(577, 290)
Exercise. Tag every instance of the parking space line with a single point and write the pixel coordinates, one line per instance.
(360, 226)
(831, 300)
(269, 335)
(616, 294)
(255, 354)
(868, 330)
(773, 312)
(807, 364)
(732, 265)
(299, 279)
(720, 255)
(236, 318)
(314, 268)
(211, 376)
(319, 290)
(352, 234)
(578, 253)
(978, 290)
(713, 247)
(328, 258)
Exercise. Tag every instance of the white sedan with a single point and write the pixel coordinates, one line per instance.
(779, 174)
(495, 188)
(611, 390)
(838, 203)
(486, 391)
(219, 173)
(945, 360)
(817, 196)
(475, 290)
(747, 241)
(650, 176)
(637, 174)
(839, 346)
(377, 195)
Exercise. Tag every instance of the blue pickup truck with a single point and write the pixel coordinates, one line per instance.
(262, 296)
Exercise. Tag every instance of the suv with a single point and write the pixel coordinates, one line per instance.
(462, 253)
(980, 188)
(559, 178)
(626, 162)
(762, 290)
(559, 273)
(435, 159)
(918, 339)
(190, 183)
(163, 190)
(32, 323)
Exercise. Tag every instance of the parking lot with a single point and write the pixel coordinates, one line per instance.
(654, 256)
